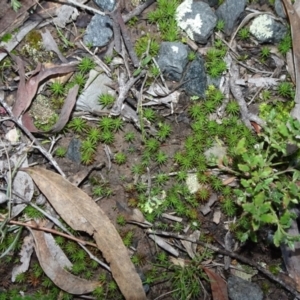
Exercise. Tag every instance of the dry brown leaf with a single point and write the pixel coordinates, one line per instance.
(217, 284)
(66, 109)
(56, 272)
(9, 19)
(81, 213)
(27, 90)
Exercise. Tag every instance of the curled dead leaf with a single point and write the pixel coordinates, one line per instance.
(82, 213)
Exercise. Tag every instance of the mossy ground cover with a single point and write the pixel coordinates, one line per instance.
(149, 171)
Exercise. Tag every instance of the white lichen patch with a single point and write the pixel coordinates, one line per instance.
(174, 49)
(192, 183)
(189, 25)
(261, 27)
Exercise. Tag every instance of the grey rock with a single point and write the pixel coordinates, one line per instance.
(172, 59)
(106, 5)
(73, 152)
(279, 9)
(94, 87)
(229, 12)
(197, 19)
(240, 289)
(267, 30)
(195, 78)
(99, 31)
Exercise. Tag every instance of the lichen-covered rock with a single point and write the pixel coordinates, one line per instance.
(266, 29)
(197, 19)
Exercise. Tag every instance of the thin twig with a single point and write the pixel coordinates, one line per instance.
(56, 232)
(123, 91)
(86, 7)
(33, 139)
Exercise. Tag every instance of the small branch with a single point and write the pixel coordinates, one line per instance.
(36, 227)
(138, 10)
(123, 91)
(86, 7)
(33, 139)
(238, 95)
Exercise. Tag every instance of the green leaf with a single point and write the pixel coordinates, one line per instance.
(243, 168)
(137, 72)
(146, 60)
(283, 130)
(245, 183)
(285, 220)
(269, 218)
(240, 148)
(259, 199)
(249, 207)
(278, 237)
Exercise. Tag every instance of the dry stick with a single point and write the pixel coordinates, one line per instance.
(36, 227)
(138, 10)
(238, 95)
(117, 18)
(86, 7)
(33, 139)
(123, 91)
(232, 255)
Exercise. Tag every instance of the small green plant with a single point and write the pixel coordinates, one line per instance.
(106, 100)
(15, 4)
(220, 25)
(285, 89)
(133, 21)
(145, 42)
(108, 59)
(164, 131)
(57, 88)
(6, 37)
(161, 157)
(107, 137)
(60, 151)
(214, 62)
(161, 178)
(106, 123)
(79, 79)
(268, 182)
(154, 71)
(285, 44)
(86, 64)
(94, 135)
(164, 16)
(117, 124)
(78, 125)
(233, 108)
(192, 56)
(121, 220)
(129, 137)
(244, 33)
(265, 95)
(265, 52)
(149, 114)
(151, 145)
(127, 240)
(120, 158)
